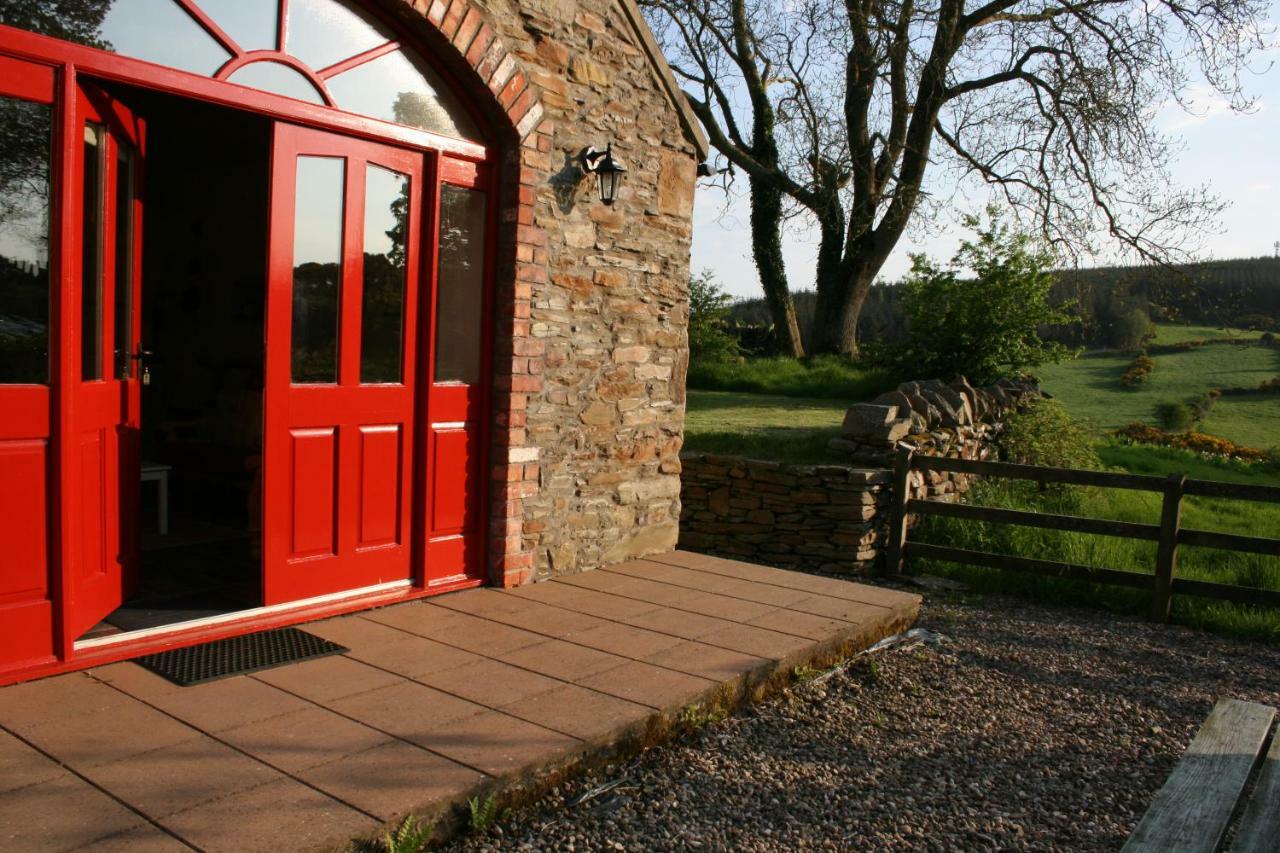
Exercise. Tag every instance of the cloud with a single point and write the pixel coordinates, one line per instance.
(1200, 105)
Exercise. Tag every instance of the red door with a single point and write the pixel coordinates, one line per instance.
(26, 287)
(104, 357)
(456, 432)
(343, 279)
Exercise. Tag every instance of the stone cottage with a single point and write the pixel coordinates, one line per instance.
(314, 305)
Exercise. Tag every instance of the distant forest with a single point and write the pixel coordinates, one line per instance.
(1243, 293)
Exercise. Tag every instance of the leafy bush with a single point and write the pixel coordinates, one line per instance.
(1175, 417)
(830, 377)
(708, 307)
(1137, 371)
(1131, 330)
(1257, 322)
(986, 325)
(1044, 433)
(1268, 339)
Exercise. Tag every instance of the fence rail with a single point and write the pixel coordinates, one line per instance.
(1168, 535)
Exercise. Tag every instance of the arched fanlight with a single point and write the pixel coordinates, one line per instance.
(607, 169)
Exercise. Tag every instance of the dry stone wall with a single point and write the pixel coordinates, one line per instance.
(834, 518)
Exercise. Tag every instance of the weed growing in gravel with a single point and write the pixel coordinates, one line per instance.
(695, 717)
(804, 673)
(412, 836)
(484, 811)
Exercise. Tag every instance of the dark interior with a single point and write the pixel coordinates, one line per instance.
(203, 300)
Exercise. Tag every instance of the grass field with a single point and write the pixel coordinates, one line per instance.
(1200, 563)
(1168, 333)
(826, 377)
(793, 429)
(797, 430)
(1090, 389)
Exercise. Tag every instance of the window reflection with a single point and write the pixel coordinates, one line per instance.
(322, 32)
(123, 283)
(91, 256)
(317, 271)
(252, 23)
(393, 88)
(460, 289)
(386, 224)
(161, 31)
(281, 79)
(25, 135)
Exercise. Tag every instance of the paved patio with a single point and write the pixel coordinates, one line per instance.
(436, 700)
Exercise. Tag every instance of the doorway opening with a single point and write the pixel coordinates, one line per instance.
(204, 257)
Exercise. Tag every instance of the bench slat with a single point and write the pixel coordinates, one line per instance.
(1191, 812)
(1260, 826)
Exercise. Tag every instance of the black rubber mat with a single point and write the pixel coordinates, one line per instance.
(238, 656)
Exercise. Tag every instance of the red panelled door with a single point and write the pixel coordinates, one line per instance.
(102, 364)
(457, 396)
(26, 189)
(343, 282)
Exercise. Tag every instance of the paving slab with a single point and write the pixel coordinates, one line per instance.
(436, 700)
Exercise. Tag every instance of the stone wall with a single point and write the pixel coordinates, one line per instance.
(835, 518)
(591, 308)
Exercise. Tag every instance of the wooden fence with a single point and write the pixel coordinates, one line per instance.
(1169, 534)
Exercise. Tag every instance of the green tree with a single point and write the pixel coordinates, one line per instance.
(708, 306)
(988, 323)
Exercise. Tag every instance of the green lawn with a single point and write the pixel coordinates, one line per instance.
(827, 377)
(1257, 519)
(792, 429)
(1167, 333)
(1090, 389)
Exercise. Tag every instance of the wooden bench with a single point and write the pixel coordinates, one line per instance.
(1193, 809)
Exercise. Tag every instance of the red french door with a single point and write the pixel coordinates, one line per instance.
(455, 428)
(27, 190)
(343, 280)
(104, 360)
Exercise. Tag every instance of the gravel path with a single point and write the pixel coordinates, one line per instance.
(1026, 727)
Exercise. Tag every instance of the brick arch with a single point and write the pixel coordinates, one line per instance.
(459, 34)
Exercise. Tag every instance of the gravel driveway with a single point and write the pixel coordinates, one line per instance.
(1026, 727)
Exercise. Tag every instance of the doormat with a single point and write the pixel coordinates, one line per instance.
(238, 656)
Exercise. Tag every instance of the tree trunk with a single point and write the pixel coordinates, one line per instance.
(766, 249)
(835, 322)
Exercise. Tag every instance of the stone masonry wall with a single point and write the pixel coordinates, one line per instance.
(834, 518)
(592, 304)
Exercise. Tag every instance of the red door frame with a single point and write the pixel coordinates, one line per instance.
(346, 422)
(108, 405)
(67, 61)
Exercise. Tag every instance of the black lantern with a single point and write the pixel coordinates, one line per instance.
(607, 169)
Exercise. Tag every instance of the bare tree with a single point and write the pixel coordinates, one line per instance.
(841, 107)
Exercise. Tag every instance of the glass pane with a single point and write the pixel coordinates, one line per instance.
(322, 32)
(394, 88)
(386, 227)
(252, 25)
(281, 79)
(460, 290)
(159, 31)
(91, 267)
(317, 268)
(25, 134)
(123, 342)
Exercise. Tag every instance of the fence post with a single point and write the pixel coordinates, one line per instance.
(898, 518)
(1167, 551)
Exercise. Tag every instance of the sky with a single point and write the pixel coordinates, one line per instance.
(1237, 155)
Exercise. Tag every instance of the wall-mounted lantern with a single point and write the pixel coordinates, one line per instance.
(607, 169)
